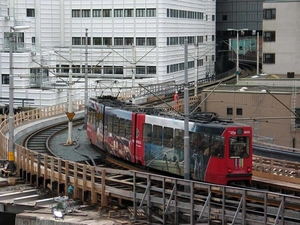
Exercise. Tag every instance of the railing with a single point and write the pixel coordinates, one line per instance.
(97, 180)
(28, 116)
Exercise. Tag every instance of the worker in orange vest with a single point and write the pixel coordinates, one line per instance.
(176, 98)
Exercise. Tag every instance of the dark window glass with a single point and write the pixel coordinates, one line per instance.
(106, 12)
(128, 12)
(76, 41)
(239, 111)
(229, 111)
(297, 119)
(97, 41)
(140, 41)
(269, 35)
(86, 13)
(118, 41)
(5, 78)
(76, 13)
(30, 13)
(269, 14)
(97, 13)
(118, 70)
(128, 41)
(269, 58)
(107, 41)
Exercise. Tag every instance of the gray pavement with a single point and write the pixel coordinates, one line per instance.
(74, 152)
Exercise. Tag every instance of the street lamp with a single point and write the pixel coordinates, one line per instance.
(12, 41)
(237, 50)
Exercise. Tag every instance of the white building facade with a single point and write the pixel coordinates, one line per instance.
(121, 42)
(281, 49)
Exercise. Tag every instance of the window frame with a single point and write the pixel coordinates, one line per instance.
(269, 14)
(5, 78)
(97, 13)
(269, 58)
(269, 36)
(30, 12)
(76, 13)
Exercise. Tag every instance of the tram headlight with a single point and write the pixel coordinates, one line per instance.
(239, 131)
(229, 170)
(248, 170)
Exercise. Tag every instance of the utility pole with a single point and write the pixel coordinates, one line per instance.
(257, 54)
(86, 80)
(133, 73)
(11, 148)
(70, 112)
(186, 117)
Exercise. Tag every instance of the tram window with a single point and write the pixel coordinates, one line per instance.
(147, 133)
(128, 129)
(239, 147)
(109, 123)
(116, 126)
(157, 135)
(217, 148)
(122, 127)
(179, 139)
(168, 137)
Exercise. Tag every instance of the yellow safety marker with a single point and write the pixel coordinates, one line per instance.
(70, 116)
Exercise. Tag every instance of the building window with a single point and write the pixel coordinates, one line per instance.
(107, 41)
(76, 41)
(200, 39)
(97, 69)
(151, 70)
(75, 68)
(213, 17)
(269, 58)
(86, 13)
(213, 58)
(269, 35)
(173, 40)
(269, 14)
(151, 41)
(140, 12)
(128, 12)
(213, 37)
(106, 12)
(140, 41)
(224, 17)
(140, 70)
(239, 111)
(128, 41)
(97, 13)
(118, 41)
(5, 78)
(297, 120)
(108, 70)
(75, 12)
(200, 62)
(33, 40)
(88, 39)
(97, 41)
(151, 12)
(229, 111)
(65, 68)
(118, 70)
(118, 13)
(181, 40)
(30, 13)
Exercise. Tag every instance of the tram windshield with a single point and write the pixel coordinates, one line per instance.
(239, 147)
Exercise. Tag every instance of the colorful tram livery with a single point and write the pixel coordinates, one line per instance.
(220, 152)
